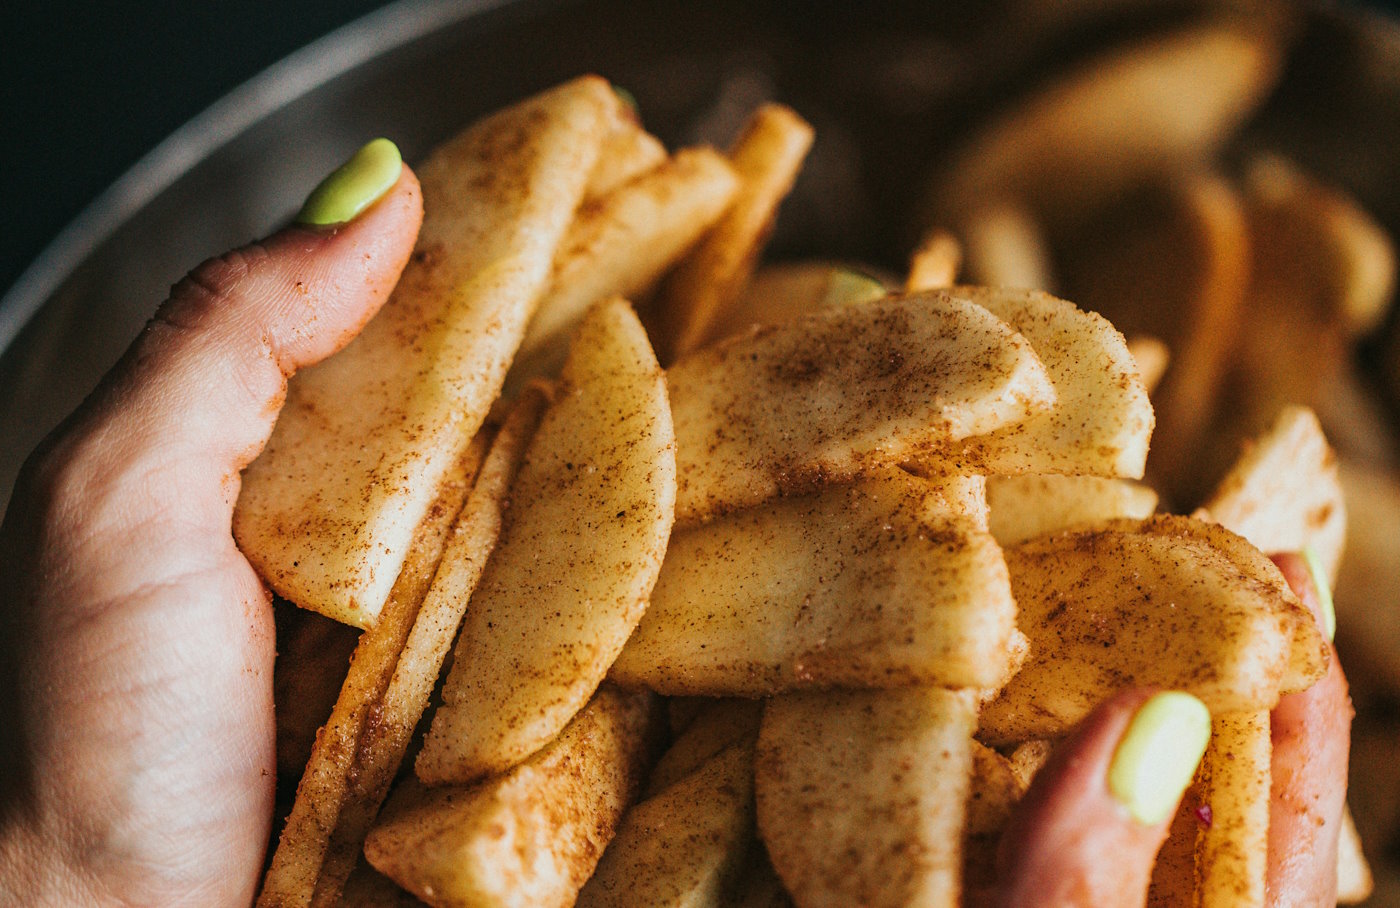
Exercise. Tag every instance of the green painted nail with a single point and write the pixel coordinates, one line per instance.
(849, 287)
(627, 98)
(1158, 755)
(354, 186)
(1324, 592)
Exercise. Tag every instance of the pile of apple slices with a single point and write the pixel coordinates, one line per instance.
(787, 532)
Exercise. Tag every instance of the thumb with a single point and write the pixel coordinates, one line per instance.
(1109, 790)
(194, 399)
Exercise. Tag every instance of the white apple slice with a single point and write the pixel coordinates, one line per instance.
(862, 794)
(841, 392)
(871, 584)
(327, 512)
(1101, 421)
(590, 514)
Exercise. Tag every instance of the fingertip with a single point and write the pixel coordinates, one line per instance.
(1075, 811)
(335, 279)
(205, 380)
(1157, 755)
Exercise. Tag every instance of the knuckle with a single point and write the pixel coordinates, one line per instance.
(210, 285)
(53, 473)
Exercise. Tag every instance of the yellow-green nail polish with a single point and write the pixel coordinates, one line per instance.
(849, 287)
(1324, 592)
(354, 186)
(1158, 755)
(628, 99)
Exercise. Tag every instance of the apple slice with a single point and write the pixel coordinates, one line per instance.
(1284, 494)
(620, 245)
(862, 794)
(1118, 121)
(1232, 852)
(1168, 602)
(1031, 505)
(871, 584)
(684, 846)
(327, 783)
(834, 395)
(530, 837)
(328, 510)
(935, 262)
(1005, 246)
(780, 293)
(628, 152)
(767, 157)
(590, 515)
(1101, 421)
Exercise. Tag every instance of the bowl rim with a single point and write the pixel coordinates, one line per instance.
(342, 50)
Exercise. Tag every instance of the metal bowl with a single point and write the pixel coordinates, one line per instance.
(888, 86)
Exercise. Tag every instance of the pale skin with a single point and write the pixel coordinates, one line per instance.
(137, 764)
(138, 642)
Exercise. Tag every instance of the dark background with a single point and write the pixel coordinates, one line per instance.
(88, 88)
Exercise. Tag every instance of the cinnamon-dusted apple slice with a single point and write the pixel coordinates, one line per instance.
(530, 837)
(325, 784)
(1167, 602)
(717, 725)
(843, 391)
(871, 584)
(1101, 420)
(862, 794)
(620, 245)
(993, 792)
(1232, 852)
(687, 844)
(1284, 493)
(390, 723)
(591, 512)
(767, 156)
(628, 152)
(327, 512)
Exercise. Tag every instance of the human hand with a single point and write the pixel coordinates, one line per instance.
(138, 643)
(1079, 839)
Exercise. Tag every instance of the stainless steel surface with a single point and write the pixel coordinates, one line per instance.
(885, 85)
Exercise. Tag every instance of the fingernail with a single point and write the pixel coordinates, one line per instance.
(628, 99)
(849, 287)
(1158, 755)
(1324, 592)
(354, 186)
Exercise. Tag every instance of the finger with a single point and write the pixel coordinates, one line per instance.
(1109, 790)
(1311, 733)
(194, 398)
